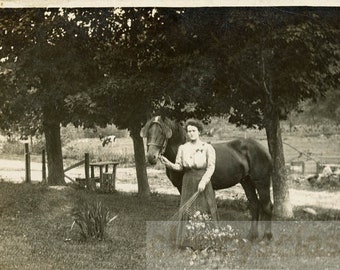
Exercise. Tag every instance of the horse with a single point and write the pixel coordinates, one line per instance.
(243, 161)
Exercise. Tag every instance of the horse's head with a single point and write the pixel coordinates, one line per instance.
(157, 133)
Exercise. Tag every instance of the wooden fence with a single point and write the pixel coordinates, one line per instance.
(105, 179)
(27, 154)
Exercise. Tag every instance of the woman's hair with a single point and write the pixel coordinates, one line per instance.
(195, 123)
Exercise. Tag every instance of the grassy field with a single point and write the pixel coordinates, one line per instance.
(36, 220)
(122, 150)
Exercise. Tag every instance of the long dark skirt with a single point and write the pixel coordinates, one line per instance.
(205, 203)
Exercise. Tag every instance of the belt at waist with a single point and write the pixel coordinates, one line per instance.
(188, 169)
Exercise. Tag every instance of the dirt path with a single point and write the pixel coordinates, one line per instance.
(14, 171)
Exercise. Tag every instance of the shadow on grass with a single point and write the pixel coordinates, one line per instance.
(36, 221)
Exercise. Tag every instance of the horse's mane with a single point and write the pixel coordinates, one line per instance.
(178, 132)
(173, 128)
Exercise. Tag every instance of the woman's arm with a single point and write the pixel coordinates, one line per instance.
(211, 161)
(178, 165)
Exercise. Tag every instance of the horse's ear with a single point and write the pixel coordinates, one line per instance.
(167, 132)
(144, 130)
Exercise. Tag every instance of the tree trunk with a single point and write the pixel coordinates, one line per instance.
(282, 205)
(142, 178)
(54, 153)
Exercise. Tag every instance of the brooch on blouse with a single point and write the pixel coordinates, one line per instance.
(199, 150)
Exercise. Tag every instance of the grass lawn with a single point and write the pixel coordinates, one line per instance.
(36, 220)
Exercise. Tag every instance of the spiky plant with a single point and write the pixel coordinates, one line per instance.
(92, 219)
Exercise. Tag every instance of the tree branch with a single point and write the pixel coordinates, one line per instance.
(266, 89)
(245, 77)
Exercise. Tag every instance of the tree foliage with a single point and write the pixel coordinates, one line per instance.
(288, 56)
(99, 66)
(249, 58)
(326, 108)
(52, 66)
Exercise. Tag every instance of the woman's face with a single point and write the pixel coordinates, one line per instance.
(193, 133)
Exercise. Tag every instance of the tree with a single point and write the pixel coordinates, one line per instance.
(133, 59)
(51, 68)
(286, 57)
(115, 43)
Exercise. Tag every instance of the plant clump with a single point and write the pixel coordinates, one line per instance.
(208, 234)
(92, 220)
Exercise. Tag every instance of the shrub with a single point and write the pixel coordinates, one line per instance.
(92, 219)
(328, 182)
(15, 147)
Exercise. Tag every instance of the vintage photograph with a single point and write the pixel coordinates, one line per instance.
(170, 135)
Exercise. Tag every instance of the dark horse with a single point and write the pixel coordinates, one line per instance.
(243, 161)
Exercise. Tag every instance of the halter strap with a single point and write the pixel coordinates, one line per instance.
(165, 142)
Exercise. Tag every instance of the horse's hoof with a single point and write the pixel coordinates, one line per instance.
(252, 236)
(268, 236)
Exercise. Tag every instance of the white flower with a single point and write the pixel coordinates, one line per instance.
(197, 214)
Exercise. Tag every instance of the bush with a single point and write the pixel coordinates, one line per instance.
(328, 182)
(92, 219)
(15, 147)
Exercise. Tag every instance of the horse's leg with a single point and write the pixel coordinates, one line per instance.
(263, 190)
(250, 191)
(175, 178)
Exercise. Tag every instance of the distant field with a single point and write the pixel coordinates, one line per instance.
(121, 150)
(305, 143)
(296, 147)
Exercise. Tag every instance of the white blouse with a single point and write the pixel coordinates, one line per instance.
(196, 156)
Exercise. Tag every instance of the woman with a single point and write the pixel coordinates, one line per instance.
(197, 159)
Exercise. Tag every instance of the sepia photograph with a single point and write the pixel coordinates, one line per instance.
(169, 135)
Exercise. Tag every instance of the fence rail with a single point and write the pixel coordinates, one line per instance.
(106, 179)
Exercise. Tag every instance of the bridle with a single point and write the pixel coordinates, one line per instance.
(165, 142)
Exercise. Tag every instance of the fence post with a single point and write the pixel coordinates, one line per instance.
(318, 167)
(87, 169)
(44, 179)
(113, 183)
(27, 164)
(303, 168)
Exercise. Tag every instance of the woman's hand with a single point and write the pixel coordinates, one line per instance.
(201, 185)
(165, 161)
